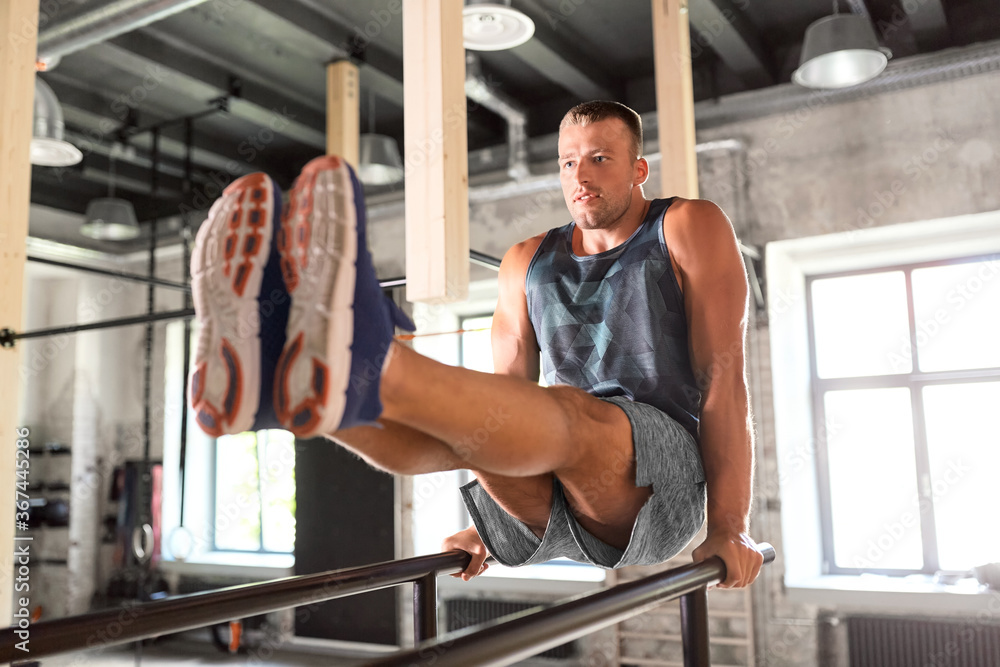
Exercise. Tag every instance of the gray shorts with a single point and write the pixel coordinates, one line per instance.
(666, 458)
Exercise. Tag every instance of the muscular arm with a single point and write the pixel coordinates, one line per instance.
(515, 350)
(715, 298)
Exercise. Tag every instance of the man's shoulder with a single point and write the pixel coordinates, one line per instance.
(519, 256)
(693, 220)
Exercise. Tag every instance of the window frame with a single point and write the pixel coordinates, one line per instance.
(915, 381)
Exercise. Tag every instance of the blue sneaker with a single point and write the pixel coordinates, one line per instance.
(242, 309)
(341, 323)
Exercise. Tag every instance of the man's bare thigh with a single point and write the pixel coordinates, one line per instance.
(599, 485)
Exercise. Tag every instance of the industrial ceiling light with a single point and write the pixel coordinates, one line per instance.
(47, 146)
(110, 218)
(840, 51)
(379, 162)
(492, 25)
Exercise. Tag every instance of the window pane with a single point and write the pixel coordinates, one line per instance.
(963, 440)
(237, 502)
(957, 312)
(477, 351)
(873, 490)
(278, 487)
(861, 325)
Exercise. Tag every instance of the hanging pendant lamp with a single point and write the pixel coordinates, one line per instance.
(48, 149)
(110, 218)
(840, 51)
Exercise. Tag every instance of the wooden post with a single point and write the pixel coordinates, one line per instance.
(674, 99)
(19, 29)
(343, 111)
(436, 152)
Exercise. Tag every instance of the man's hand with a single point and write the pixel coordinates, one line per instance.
(468, 541)
(738, 551)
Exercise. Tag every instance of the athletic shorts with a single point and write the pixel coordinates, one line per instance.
(666, 457)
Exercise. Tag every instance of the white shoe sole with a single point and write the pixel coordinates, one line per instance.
(318, 244)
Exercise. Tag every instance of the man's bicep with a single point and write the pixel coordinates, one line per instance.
(515, 349)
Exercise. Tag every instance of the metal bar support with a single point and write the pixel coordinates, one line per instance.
(694, 628)
(425, 608)
(186, 612)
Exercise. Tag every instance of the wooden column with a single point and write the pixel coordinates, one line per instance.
(674, 99)
(343, 111)
(19, 29)
(436, 152)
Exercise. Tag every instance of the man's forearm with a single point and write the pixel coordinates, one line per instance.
(727, 453)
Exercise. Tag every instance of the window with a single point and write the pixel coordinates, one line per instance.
(238, 491)
(255, 492)
(905, 377)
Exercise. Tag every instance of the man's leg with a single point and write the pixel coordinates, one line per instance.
(403, 450)
(505, 427)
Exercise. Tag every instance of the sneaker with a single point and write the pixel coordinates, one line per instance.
(242, 309)
(341, 323)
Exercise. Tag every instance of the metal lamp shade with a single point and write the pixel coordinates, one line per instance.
(839, 51)
(47, 146)
(110, 219)
(379, 162)
(493, 25)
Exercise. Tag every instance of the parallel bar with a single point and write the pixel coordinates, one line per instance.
(482, 259)
(187, 612)
(694, 628)
(523, 635)
(425, 608)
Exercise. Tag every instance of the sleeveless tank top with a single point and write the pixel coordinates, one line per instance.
(613, 324)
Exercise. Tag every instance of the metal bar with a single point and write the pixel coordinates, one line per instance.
(425, 608)
(74, 633)
(482, 259)
(159, 282)
(7, 337)
(694, 628)
(523, 635)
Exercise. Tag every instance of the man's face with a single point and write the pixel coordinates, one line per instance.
(598, 172)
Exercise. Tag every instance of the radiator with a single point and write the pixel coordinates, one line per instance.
(462, 612)
(906, 642)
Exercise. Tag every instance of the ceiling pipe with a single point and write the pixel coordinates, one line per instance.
(479, 91)
(103, 23)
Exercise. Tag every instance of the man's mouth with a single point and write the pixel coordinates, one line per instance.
(587, 196)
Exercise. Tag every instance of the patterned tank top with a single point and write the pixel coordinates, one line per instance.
(613, 324)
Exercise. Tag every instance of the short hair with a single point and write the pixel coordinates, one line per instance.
(598, 110)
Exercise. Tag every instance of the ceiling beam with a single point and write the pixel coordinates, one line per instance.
(929, 24)
(721, 26)
(380, 71)
(91, 126)
(551, 53)
(146, 56)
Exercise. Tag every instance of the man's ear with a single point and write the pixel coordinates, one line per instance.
(641, 172)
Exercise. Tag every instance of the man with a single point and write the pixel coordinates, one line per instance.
(640, 304)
